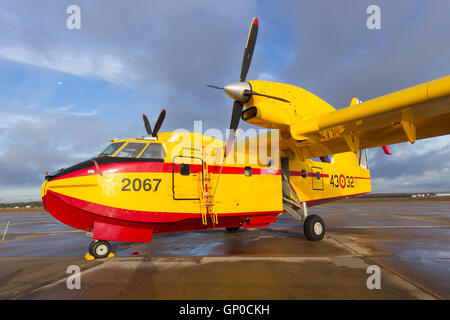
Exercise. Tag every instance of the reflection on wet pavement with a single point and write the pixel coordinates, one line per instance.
(409, 238)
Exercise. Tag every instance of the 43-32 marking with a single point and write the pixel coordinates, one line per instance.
(342, 181)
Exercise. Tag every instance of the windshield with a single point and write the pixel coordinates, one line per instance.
(111, 149)
(131, 150)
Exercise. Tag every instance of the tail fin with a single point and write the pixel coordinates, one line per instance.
(354, 101)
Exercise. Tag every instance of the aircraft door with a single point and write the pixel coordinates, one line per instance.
(187, 178)
(285, 183)
(317, 178)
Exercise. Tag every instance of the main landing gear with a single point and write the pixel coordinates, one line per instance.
(313, 225)
(100, 249)
(314, 228)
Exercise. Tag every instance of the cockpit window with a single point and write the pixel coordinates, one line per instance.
(111, 149)
(131, 150)
(154, 151)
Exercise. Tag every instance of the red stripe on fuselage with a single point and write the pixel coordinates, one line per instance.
(160, 167)
(310, 174)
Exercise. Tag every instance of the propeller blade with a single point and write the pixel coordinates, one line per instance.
(212, 86)
(147, 124)
(249, 47)
(159, 122)
(235, 116)
(253, 93)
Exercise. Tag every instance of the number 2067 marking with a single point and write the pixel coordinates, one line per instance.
(138, 184)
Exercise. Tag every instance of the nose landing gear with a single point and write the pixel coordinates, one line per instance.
(100, 249)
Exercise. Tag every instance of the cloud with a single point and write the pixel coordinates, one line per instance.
(169, 50)
(129, 59)
(423, 166)
(338, 57)
(46, 142)
(103, 66)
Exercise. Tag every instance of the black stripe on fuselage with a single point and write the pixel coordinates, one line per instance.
(100, 160)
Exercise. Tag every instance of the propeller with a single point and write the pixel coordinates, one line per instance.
(154, 132)
(214, 87)
(147, 125)
(159, 122)
(249, 47)
(236, 90)
(235, 116)
(253, 93)
(241, 91)
(239, 105)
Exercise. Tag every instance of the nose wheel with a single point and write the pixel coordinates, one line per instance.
(232, 229)
(100, 249)
(314, 228)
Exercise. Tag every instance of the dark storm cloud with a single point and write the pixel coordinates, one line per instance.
(337, 57)
(168, 48)
(47, 142)
(412, 165)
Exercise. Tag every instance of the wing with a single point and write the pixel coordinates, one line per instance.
(418, 112)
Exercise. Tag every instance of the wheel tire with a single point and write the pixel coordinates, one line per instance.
(100, 249)
(91, 245)
(232, 229)
(314, 228)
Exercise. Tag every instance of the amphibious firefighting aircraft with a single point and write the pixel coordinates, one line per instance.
(160, 183)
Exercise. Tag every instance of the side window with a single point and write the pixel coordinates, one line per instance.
(248, 171)
(185, 169)
(154, 151)
(131, 150)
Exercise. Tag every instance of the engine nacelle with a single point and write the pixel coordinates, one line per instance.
(277, 114)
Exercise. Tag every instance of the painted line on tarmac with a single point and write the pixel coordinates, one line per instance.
(395, 273)
(387, 227)
(47, 232)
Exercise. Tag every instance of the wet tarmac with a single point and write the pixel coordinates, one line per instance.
(408, 240)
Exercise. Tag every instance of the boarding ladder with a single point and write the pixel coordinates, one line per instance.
(207, 201)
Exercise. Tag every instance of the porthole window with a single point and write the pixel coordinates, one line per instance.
(248, 171)
(185, 169)
(304, 173)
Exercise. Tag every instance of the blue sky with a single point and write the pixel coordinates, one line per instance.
(65, 93)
